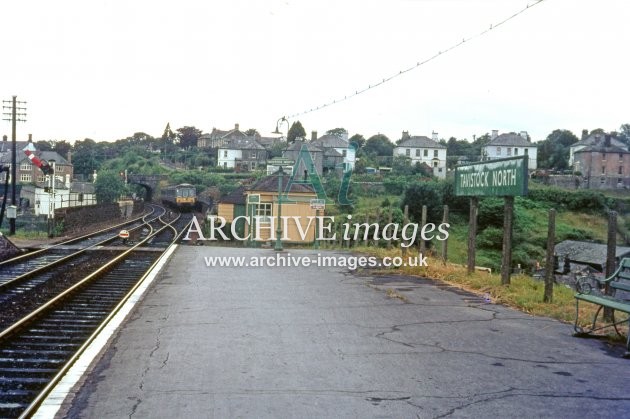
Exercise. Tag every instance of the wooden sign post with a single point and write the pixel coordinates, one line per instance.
(501, 177)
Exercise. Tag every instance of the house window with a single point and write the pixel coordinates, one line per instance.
(621, 170)
(526, 151)
(498, 151)
(604, 156)
(435, 164)
(41, 178)
(25, 177)
(407, 152)
(264, 211)
(515, 151)
(620, 156)
(26, 166)
(58, 169)
(426, 153)
(344, 153)
(417, 152)
(435, 153)
(225, 154)
(603, 170)
(509, 151)
(225, 165)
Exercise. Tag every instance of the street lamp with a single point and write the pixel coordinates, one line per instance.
(280, 120)
(278, 246)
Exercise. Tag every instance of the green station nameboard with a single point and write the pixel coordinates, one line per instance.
(500, 177)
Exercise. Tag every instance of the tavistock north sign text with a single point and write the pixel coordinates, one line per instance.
(501, 177)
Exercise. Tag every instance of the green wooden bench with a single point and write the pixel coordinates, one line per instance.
(617, 299)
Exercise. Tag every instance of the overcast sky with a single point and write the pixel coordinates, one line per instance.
(104, 69)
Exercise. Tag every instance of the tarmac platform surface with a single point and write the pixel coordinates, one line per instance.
(223, 342)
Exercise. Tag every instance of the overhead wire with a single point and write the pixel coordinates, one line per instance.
(418, 63)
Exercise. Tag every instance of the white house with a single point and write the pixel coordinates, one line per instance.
(421, 149)
(510, 145)
(343, 150)
(242, 154)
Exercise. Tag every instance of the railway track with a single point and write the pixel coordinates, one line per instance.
(67, 304)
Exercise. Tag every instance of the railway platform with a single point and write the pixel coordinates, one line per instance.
(316, 341)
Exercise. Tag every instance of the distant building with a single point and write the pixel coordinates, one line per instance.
(603, 165)
(591, 140)
(511, 145)
(242, 154)
(220, 138)
(317, 155)
(338, 152)
(420, 149)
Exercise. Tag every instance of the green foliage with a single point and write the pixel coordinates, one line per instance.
(188, 136)
(379, 145)
(109, 186)
(553, 152)
(582, 201)
(296, 131)
(424, 193)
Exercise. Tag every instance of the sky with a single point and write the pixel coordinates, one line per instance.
(105, 69)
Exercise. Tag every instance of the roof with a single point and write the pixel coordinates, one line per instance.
(420, 141)
(602, 149)
(330, 141)
(42, 155)
(587, 253)
(510, 139)
(297, 146)
(236, 197)
(331, 152)
(247, 143)
(82, 187)
(593, 139)
(270, 184)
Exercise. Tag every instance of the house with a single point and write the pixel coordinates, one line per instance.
(27, 172)
(242, 154)
(261, 199)
(511, 145)
(219, 138)
(420, 149)
(293, 152)
(591, 140)
(603, 165)
(338, 153)
(40, 200)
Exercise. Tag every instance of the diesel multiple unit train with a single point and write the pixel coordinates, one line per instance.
(181, 197)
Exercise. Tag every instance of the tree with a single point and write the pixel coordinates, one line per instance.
(188, 136)
(358, 139)
(338, 132)
(553, 151)
(296, 131)
(252, 132)
(108, 186)
(624, 133)
(86, 157)
(379, 145)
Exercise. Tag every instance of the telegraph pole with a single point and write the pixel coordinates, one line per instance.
(17, 114)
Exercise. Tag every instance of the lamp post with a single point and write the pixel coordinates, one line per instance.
(278, 122)
(278, 246)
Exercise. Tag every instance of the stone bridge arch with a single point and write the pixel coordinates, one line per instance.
(148, 182)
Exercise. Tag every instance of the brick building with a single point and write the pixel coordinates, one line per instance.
(603, 164)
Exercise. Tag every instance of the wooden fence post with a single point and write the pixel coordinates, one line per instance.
(472, 233)
(549, 268)
(445, 242)
(611, 251)
(405, 222)
(423, 221)
(506, 260)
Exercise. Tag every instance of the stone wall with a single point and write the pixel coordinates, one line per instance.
(78, 219)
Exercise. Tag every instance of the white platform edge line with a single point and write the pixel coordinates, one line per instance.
(51, 405)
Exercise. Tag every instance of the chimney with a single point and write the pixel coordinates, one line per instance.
(524, 134)
(313, 135)
(607, 140)
(434, 136)
(30, 138)
(405, 135)
(495, 134)
(4, 138)
(236, 127)
(69, 158)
